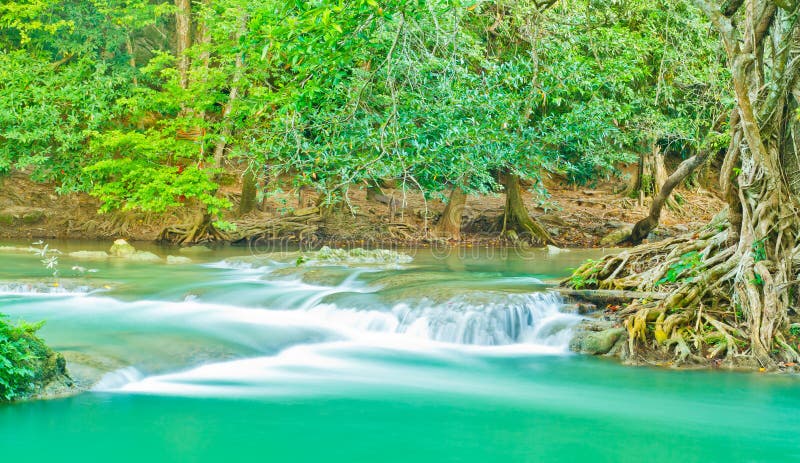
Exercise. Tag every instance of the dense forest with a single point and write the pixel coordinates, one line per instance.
(155, 106)
(146, 105)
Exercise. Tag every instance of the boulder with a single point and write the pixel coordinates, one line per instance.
(121, 248)
(555, 249)
(595, 337)
(178, 260)
(617, 236)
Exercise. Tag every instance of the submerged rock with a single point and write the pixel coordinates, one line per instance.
(354, 256)
(16, 249)
(195, 250)
(87, 369)
(121, 248)
(178, 260)
(125, 250)
(313, 276)
(89, 255)
(555, 250)
(142, 256)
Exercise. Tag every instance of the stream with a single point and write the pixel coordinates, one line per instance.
(460, 355)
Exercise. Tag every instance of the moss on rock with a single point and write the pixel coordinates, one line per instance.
(27, 366)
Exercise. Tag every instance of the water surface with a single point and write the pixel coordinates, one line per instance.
(453, 357)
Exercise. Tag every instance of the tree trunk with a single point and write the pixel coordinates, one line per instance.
(183, 27)
(249, 190)
(515, 216)
(663, 192)
(449, 224)
(747, 272)
(652, 173)
(131, 56)
(649, 223)
(225, 133)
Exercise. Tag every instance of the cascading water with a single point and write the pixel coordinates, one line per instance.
(439, 360)
(283, 317)
(504, 319)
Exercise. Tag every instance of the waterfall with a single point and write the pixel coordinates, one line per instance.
(501, 319)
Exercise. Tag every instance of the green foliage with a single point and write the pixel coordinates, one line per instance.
(686, 268)
(759, 250)
(20, 350)
(583, 280)
(335, 93)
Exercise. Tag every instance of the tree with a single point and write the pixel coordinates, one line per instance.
(732, 284)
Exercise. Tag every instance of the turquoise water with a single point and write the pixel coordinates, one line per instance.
(447, 358)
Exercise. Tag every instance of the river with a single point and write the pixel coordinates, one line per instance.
(459, 355)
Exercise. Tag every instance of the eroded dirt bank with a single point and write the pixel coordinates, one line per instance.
(575, 217)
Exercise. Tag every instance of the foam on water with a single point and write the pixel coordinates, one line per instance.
(515, 318)
(45, 289)
(300, 370)
(340, 346)
(307, 333)
(118, 379)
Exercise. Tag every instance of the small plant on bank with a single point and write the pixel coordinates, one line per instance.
(20, 351)
(685, 269)
(580, 280)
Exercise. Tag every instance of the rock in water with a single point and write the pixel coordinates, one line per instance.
(121, 248)
(178, 260)
(142, 256)
(596, 337)
(327, 255)
(91, 255)
(195, 250)
(555, 250)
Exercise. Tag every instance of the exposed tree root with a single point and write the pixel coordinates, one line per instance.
(302, 226)
(702, 319)
(202, 230)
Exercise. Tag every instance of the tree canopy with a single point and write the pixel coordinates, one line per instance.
(117, 99)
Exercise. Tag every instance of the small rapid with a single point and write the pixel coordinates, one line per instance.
(443, 359)
(495, 319)
(251, 322)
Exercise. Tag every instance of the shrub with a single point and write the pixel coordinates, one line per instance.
(21, 356)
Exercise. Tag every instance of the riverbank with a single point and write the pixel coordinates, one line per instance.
(604, 334)
(574, 217)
